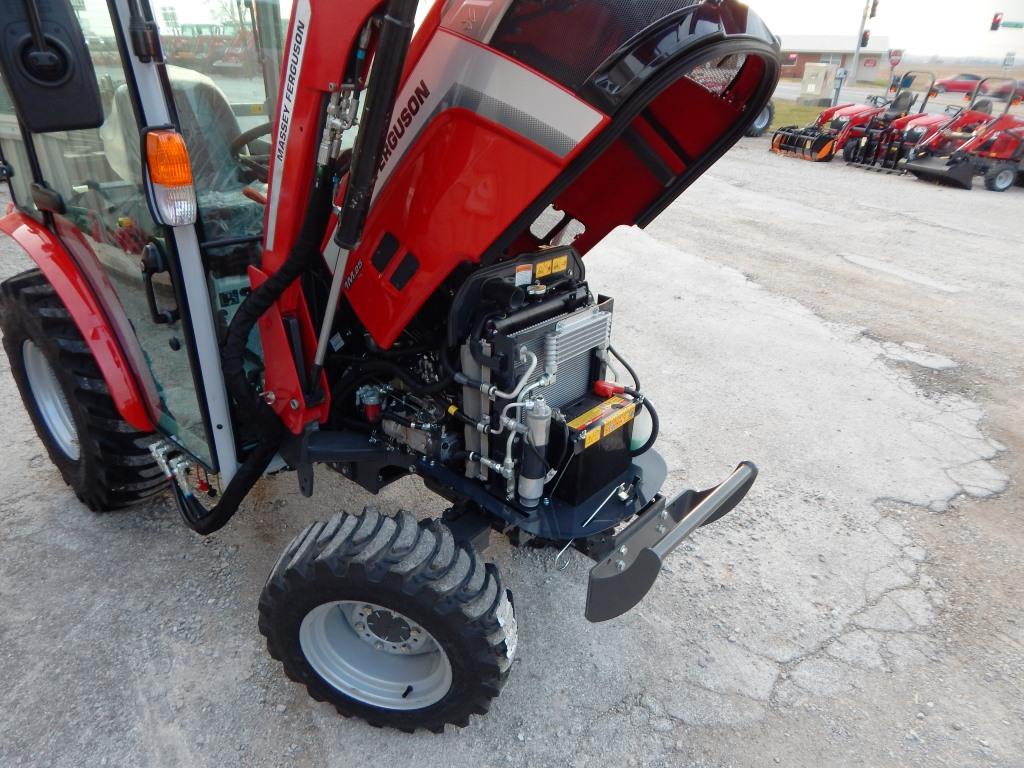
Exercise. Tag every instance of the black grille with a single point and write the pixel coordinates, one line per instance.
(568, 39)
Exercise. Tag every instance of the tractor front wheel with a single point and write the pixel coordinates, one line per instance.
(390, 620)
(103, 458)
(850, 150)
(1000, 178)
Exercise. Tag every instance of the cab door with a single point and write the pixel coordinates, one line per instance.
(100, 212)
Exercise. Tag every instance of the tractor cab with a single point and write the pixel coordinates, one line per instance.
(85, 179)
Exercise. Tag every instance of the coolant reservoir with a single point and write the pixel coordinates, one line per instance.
(642, 427)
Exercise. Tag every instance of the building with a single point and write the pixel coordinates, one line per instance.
(798, 50)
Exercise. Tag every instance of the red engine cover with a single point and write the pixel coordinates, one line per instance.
(605, 111)
(476, 138)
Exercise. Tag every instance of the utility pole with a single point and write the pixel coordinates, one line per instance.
(869, 8)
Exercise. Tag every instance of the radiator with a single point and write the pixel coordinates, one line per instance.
(576, 337)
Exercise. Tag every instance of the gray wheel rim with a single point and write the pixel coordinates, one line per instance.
(1005, 178)
(761, 121)
(404, 670)
(50, 400)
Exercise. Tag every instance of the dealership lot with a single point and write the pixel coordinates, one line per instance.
(854, 334)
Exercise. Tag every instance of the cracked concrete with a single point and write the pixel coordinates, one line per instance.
(810, 627)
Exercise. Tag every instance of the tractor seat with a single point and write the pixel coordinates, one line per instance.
(901, 105)
(983, 105)
(208, 126)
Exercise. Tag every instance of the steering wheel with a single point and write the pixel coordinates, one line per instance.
(257, 164)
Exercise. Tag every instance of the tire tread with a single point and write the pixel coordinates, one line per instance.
(417, 560)
(114, 471)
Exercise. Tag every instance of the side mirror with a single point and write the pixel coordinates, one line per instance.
(47, 67)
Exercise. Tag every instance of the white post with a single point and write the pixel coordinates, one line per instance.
(860, 36)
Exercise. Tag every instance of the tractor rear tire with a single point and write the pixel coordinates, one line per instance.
(390, 620)
(103, 458)
(762, 122)
(999, 178)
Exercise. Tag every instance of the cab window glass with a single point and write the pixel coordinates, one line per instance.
(98, 174)
(223, 61)
(12, 150)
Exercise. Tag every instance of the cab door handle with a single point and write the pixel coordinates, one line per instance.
(154, 263)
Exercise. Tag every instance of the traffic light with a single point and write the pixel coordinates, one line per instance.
(874, 9)
(864, 38)
(997, 20)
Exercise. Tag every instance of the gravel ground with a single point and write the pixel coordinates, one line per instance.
(857, 336)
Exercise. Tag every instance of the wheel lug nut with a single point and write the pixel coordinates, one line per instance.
(360, 627)
(379, 646)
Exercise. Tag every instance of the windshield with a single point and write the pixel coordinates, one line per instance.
(224, 59)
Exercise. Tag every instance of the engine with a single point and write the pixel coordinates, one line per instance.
(467, 334)
(520, 403)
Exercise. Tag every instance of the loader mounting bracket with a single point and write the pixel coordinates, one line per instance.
(631, 560)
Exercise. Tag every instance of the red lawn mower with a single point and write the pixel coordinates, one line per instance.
(975, 143)
(836, 127)
(386, 281)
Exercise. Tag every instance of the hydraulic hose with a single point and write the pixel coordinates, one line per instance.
(269, 428)
(627, 366)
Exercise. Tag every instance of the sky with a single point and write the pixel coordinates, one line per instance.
(920, 27)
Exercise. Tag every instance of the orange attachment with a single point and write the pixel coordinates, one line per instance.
(167, 159)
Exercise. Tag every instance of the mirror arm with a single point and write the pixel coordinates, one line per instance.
(145, 35)
(36, 23)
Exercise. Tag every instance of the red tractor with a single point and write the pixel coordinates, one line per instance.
(885, 146)
(412, 301)
(836, 126)
(974, 143)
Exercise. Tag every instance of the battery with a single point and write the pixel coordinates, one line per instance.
(599, 434)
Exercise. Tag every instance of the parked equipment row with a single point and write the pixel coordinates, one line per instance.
(887, 133)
